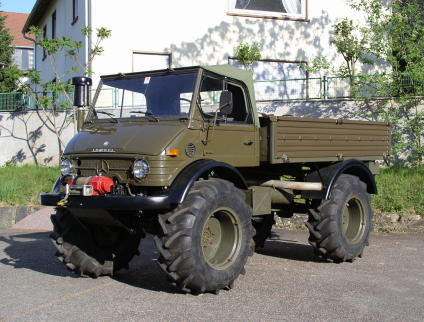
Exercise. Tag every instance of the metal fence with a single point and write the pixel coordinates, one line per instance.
(309, 88)
(265, 90)
(19, 101)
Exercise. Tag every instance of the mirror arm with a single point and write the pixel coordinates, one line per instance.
(214, 122)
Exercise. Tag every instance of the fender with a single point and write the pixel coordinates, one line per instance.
(330, 175)
(186, 178)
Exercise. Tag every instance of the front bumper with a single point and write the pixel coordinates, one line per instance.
(108, 202)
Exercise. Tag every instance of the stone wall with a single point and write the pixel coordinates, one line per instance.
(11, 215)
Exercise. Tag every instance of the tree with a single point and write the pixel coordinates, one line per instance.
(351, 42)
(396, 35)
(61, 87)
(248, 55)
(8, 80)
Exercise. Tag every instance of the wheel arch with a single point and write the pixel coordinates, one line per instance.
(330, 174)
(186, 178)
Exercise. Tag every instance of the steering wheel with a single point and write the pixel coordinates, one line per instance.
(176, 105)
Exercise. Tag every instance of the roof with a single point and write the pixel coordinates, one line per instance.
(15, 22)
(36, 13)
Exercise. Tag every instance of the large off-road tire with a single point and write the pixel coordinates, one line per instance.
(340, 226)
(263, 229)
(207, 239)
(97, 250)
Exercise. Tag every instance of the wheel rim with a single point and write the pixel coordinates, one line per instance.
(221, 238)
(353, 221)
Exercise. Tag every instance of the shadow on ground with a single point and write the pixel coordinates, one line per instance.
(280, 247)
(34, 251)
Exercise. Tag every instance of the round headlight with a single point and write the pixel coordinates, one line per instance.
(66, 167)
(140, 169)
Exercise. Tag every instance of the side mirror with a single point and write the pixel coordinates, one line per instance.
(81, 93)
(226, 102)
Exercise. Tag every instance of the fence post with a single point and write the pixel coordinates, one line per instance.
(325, 87)
(115, 97)
(26, 102)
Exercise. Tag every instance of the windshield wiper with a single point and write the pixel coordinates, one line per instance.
(111, 115)
(146, 113)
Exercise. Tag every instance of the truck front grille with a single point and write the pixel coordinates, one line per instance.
(106, 167)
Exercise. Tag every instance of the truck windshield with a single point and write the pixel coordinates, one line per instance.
(149, 97)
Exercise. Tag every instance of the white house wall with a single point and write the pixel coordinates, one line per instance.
(196, 32)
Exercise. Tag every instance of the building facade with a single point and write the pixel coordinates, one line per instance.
(159, 34)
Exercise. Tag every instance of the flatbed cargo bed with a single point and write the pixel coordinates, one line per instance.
(299, 139)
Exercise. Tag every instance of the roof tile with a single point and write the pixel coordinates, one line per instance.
(15, 22)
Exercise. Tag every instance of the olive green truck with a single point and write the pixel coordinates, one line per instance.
(184, 154)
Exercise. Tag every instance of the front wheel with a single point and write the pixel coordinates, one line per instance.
(92, 250)
(340, 227)
(207, 239)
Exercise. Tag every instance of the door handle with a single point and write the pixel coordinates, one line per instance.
(248, 143)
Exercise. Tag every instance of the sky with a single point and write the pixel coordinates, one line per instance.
(22, 6)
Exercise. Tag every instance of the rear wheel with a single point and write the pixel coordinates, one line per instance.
(101, 250)
(207, 239)
(340, 226)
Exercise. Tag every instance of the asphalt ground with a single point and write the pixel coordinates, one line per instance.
(285, 281)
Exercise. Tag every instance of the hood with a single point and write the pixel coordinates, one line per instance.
(148, 138)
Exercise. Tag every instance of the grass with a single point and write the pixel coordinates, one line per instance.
(400, 189)
(21, 186)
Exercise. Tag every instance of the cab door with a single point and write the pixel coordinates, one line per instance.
(231, 138)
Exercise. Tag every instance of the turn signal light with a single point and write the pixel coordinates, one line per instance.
(172, 153)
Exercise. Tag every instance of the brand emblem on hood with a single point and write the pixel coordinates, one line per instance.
(104, 150)
(106, 143)
(102, 167)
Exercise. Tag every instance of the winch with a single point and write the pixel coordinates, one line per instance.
(89, 186)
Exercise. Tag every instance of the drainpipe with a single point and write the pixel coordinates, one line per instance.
(35, 47)
(89, 23)
(27, 96)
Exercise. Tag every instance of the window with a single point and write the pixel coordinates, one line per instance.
(285, 9)
(44, 36)
(54, 25)
(23, 58)
(30, 59)
(74, 11)
(210, 92)
(17, 58)
(148, 97)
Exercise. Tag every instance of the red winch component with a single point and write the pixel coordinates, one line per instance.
(101, 185)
